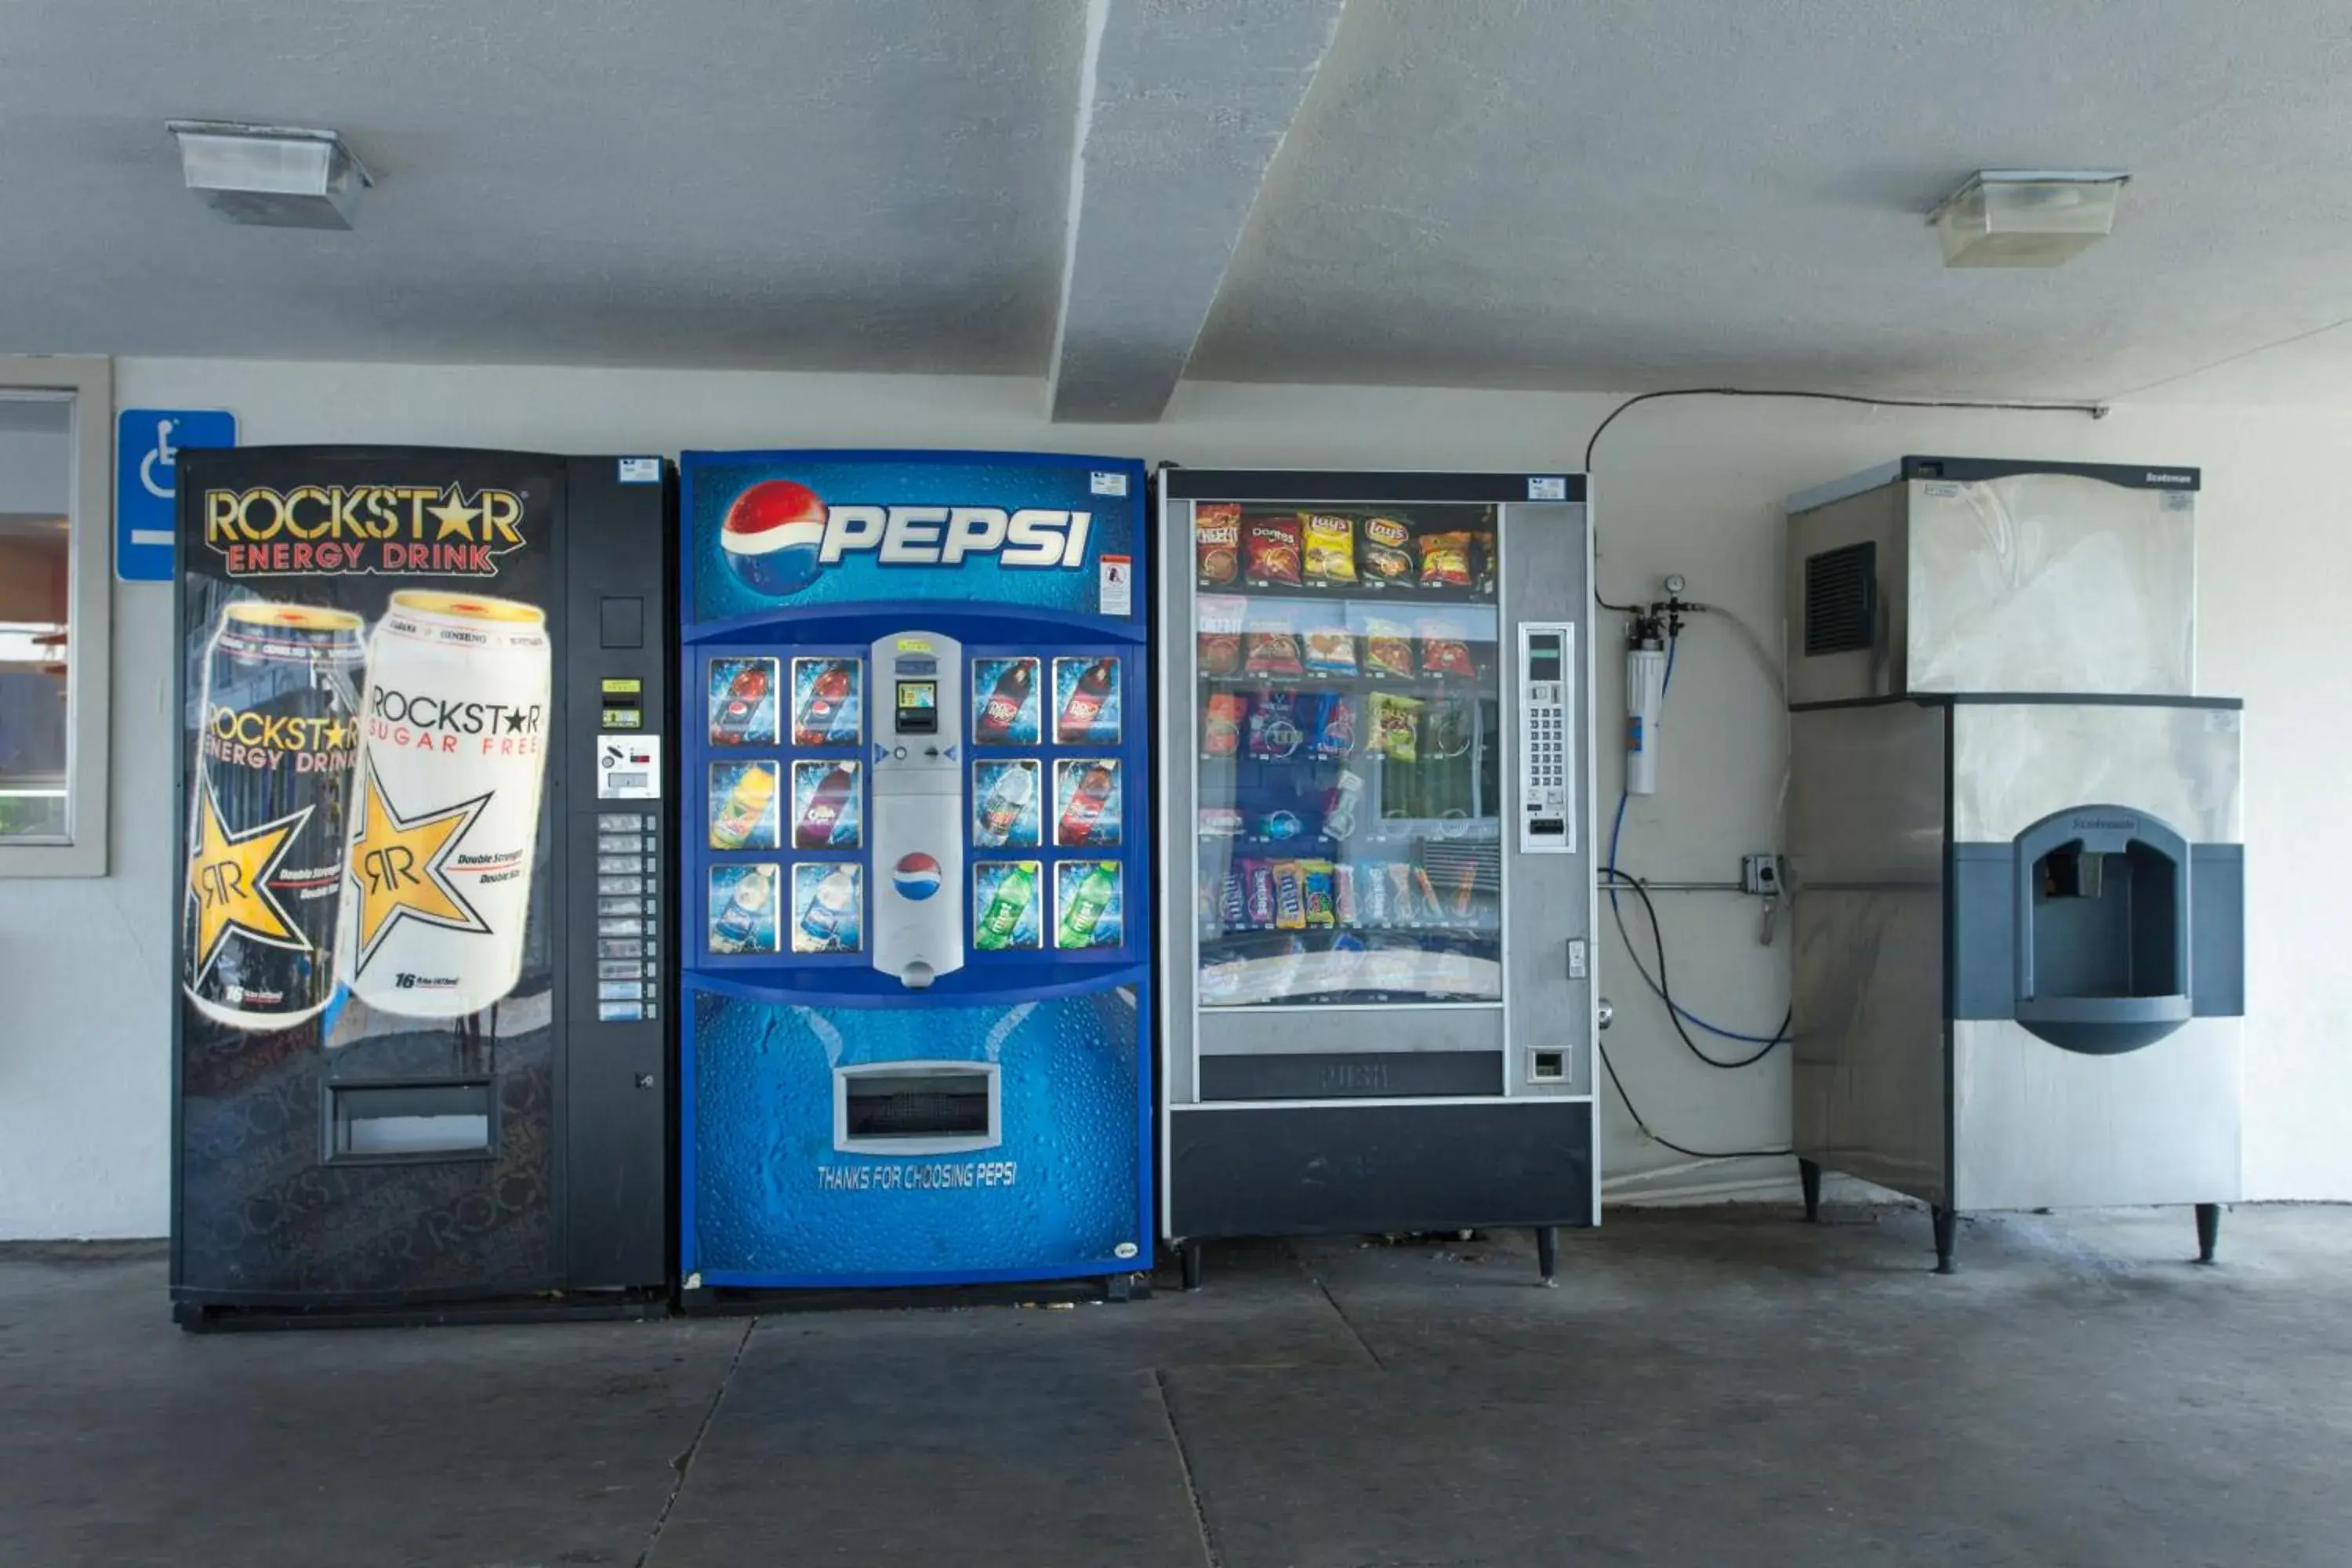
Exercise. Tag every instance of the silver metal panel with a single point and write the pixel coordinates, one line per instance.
(1263, 1031)
(1179, 726)
(2013, 764)
(2035, 1126)
(2049, 582)
(1866, 865)
(1548, 898)
(1875, 515)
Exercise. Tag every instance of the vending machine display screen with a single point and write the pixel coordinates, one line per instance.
(1543, 657)
(918, 707)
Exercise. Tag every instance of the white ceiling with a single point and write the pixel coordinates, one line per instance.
(1554, 193)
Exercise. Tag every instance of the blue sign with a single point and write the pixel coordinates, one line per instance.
(147, 446)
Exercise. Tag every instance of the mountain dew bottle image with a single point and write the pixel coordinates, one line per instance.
(1083, 907)
(999, 924)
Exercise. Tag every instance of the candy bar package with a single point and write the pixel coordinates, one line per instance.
(1335, 726)
(1385, 558)
(1220, 724)
(1272, 653)
(1396, 727)
(1270, 557)
(1445, 560)
(1372, 899)
(1330, 650)
(1343, 894)
(1221, 632)
(1216, 540)
(1318, 892)
(1387, 648)
(1257, 881)
(1330, 545)
(1290, 895)
(1443, 653)
(1221, 821)
(1273, 732)
(1233, 904)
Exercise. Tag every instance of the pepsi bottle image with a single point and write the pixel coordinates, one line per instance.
(999, 721)
(827, 711)
(744, 713)
(1088, 817)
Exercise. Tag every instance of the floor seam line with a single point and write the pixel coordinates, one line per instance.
(685, 1461)
(1349, 1324)
(1184, 1465)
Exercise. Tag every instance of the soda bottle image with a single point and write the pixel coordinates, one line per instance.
(1002, 921)
(743, 925)
(1078, 714)
(825, 924)
(1083, 817)
(999, 714)
(820, 822)
(829, 711)
(1006, 802)
(1082, 910)
(740, 718)
(742, 813)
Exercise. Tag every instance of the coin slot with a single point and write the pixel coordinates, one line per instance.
(1546, 1066)
(410, 1123)
(915, 1108)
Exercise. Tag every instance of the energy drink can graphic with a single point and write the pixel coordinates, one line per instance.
(444, 823)
(277, 728)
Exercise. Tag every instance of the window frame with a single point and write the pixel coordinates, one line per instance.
(89, 602)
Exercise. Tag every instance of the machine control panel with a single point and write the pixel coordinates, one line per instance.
(917, 841)
(628, 916)
(1546, 738)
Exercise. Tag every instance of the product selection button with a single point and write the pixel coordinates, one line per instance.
(620, 927)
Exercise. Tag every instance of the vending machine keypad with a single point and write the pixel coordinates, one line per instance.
(1546, 738)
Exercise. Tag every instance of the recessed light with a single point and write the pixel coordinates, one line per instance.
(2026, 218)
(279, 176)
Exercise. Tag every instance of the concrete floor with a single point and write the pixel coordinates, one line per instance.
(1706, 1386)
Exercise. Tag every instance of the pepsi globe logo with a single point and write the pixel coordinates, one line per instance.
(773, 536)
(916, 877)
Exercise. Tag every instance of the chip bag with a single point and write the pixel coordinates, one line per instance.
(1443, 653)
(1388, 649)
(1220, 724)
(1445, 560)
(1217, 540)
(1396, 726)
(1331, 650)
(1331, 544)
(1272, 653)
(1386, 556)
(1270, 557)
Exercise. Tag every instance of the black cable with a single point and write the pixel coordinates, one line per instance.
(2096, 410)
(1653, 1135)
(1664, 992)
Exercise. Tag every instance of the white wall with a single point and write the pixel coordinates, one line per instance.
(1690, 486)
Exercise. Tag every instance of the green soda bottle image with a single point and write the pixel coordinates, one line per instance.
(1087, 903)
(1003, 920)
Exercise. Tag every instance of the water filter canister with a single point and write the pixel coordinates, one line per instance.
(1645, 700)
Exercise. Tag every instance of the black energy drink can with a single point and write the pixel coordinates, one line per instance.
(277, 733)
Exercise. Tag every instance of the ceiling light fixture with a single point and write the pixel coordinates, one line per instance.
(279, 176)
(2026, 218)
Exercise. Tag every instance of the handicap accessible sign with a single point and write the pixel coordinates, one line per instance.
(147, 446)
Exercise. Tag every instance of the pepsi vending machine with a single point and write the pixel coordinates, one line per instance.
(918, 955)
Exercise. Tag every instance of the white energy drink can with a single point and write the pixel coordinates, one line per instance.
(444, 818)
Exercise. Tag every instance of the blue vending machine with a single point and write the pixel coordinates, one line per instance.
(918, 870)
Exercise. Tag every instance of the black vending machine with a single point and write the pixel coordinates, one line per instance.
(420, 1060)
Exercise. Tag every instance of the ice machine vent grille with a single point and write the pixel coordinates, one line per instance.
(1842, 599)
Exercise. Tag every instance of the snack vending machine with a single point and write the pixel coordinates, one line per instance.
(918, 870)
(1376, 1001)
(419, 1051)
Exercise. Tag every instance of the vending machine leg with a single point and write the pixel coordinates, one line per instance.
(2208, 1230)
(1547, 1251)
(1190, 1254)
(1946, 1222)
(1808, 1174)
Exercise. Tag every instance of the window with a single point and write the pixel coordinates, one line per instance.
(55, 585)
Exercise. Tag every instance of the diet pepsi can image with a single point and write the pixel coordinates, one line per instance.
(444, 822)
(277, 730)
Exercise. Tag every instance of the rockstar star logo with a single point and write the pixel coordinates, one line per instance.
(398, 868)
(228, 878)
(454, 515)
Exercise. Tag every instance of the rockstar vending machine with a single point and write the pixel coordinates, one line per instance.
(918, 877)
(420, 1061)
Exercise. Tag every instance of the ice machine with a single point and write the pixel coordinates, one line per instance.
(2015, 843)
